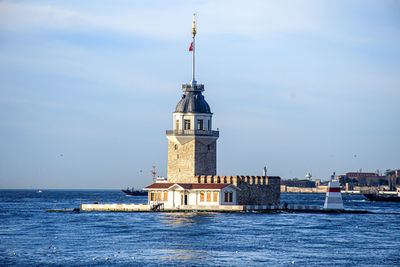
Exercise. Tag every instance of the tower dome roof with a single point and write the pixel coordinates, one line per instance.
(193, 102)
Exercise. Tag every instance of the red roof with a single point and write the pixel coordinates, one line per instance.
(361, 174)
(186, 186)
(160, 186)
(203, 186)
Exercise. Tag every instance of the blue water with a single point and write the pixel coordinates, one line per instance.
(31, 236)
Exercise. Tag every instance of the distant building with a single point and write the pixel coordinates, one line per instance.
(393, 178)
(365, 180)
(303, 185)
(299, 183)
(353, 179)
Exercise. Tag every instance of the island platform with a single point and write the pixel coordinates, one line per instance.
(291, 208)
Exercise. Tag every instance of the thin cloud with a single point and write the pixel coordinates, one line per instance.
(250, 19)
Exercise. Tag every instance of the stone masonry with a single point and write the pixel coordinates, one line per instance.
(255, 190)
(190, 159)
(205, 157)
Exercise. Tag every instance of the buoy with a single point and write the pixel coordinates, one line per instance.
(333, 197)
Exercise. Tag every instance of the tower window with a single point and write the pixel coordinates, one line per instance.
(200, 125)
(209, 147)
(187, 124)
(209, 125)
(177, 156)
(176, 147)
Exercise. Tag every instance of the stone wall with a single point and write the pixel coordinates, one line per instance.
(205, 158)
(258, 194)
(181, 162)
(255, 190)
(192, 158)
(291, 189)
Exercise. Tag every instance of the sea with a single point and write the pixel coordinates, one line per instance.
(30, 236)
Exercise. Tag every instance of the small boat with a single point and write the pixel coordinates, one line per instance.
(39, 191)
(133, 192)
(386, 197)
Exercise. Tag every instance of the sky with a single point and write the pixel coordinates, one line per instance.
(87, 88)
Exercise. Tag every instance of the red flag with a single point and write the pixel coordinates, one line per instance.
(191, 47)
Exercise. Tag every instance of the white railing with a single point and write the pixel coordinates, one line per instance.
(192, 132)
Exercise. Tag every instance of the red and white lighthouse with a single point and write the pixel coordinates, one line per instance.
(333, 198)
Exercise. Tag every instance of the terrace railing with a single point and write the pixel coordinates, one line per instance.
(192, 132)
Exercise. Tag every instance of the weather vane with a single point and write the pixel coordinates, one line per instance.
(191, 49)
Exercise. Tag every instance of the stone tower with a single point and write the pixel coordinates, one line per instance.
(192, 146)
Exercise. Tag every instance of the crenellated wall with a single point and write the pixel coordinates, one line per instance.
(255, 190)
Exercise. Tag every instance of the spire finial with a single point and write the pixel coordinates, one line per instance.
(194, 25)
(192, 48)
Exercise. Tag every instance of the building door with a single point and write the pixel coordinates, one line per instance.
(184, 199)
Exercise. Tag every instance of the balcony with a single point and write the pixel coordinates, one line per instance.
(192, 132)
(189, 87)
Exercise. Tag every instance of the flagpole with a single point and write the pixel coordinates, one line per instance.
(193, 82)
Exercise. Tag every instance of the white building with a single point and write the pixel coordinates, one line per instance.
(175, 195)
